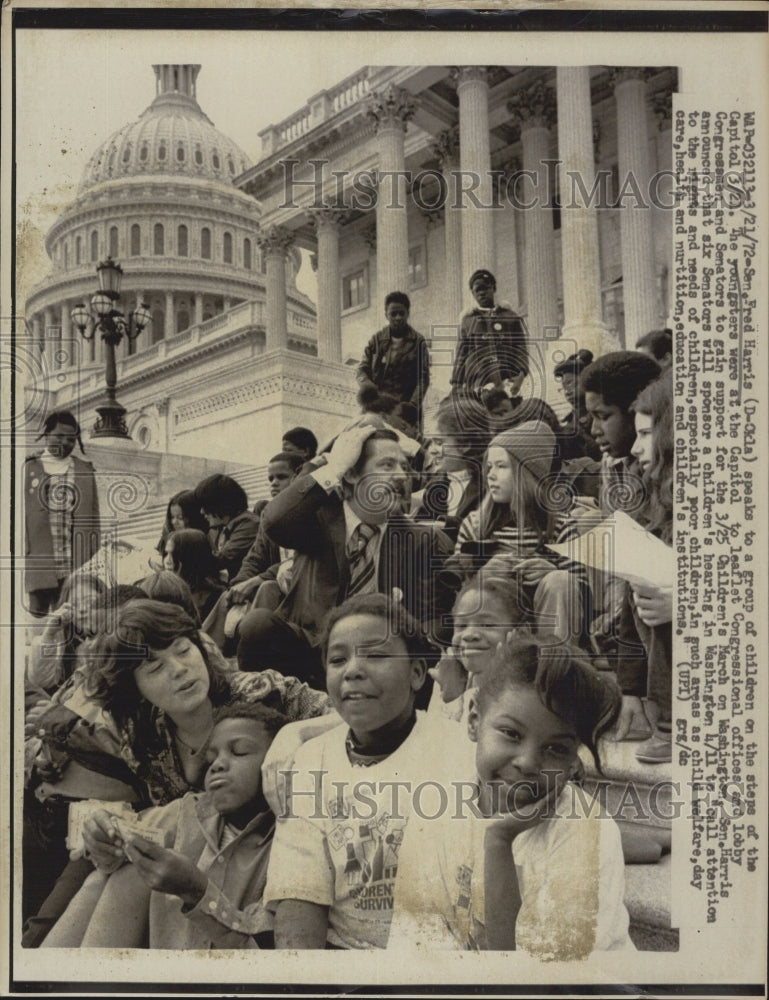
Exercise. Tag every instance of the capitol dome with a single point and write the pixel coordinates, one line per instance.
(159, 197)
(172, 137)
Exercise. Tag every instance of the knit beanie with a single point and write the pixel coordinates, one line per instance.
(532, 444)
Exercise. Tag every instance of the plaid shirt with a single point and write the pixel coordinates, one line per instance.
(60, 495)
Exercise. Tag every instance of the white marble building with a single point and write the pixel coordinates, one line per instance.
(213, 243)
(583, 272)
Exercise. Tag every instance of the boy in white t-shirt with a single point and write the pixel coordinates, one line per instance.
(350, 792)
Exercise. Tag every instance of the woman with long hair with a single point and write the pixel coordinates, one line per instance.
(521, 513)
(183, 511)
(188, 554)
(145, 700)
(652, 607)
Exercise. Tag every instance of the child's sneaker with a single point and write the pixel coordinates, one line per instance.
(659, 749)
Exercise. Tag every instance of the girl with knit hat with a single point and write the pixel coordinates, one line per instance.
(519, 516)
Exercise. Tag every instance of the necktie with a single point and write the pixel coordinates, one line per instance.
(360, 551)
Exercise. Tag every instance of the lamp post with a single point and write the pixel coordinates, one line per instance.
(113, 326)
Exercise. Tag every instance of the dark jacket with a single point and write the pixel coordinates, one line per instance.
(261, 557)
(406, 375)
(231, 543)
(40, 572)
(435, 501)
(305, 518)
(491, 346)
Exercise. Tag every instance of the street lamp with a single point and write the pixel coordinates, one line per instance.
(113, 326)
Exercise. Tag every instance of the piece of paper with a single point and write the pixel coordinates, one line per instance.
(622, 547)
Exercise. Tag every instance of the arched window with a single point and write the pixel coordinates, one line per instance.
(144, 152)
(162, 151)
(158, 325)
(94, 245)
(199, 156)
(205, 243)
(113, 250)
(136, 240)
(230, 165)
(180, 154)
(78, 250)
(159, 240)
(247, 254)
(181, 241)
(215, 160)
(228, 248)
(66, 256)
(127, 153)
(182, 320)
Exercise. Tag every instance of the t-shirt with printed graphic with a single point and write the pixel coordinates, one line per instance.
(570, 875)
(340, 843)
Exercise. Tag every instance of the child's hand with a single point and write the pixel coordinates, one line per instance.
(166, 871)
(243, 592)
(654, 604)
(532, 571)
(632, 719)
(103, 843)
(450, 676)
(507, 825)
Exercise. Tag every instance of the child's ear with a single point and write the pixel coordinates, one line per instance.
(418, 674)
(473, 717)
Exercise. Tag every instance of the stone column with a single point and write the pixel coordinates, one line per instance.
(327, 222)
(447, 150)
(51, 344)
(38, 335)
(274, 244)
(639, 285)
(170, 329)
(475, 163)
(391, 109)
(534, 111)
(579, 221)
(68, 337)
(198, 307)
(227, 302)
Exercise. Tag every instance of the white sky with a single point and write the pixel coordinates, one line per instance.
(75, 88)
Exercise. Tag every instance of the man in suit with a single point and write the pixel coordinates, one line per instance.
(354, 543)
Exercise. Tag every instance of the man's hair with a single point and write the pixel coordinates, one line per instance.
(222, 496)
(383, 434)
(659, 342)
(619, 377)
(294, 462)
(272, 720)
(400, 298)
(564, 678)
(302, 437)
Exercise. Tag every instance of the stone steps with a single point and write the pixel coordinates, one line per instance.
(146, 525)
(642, 800)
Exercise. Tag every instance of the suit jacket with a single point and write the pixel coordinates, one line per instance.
(305, 518)
(40, 572)
(262, 555)
(231, 543)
